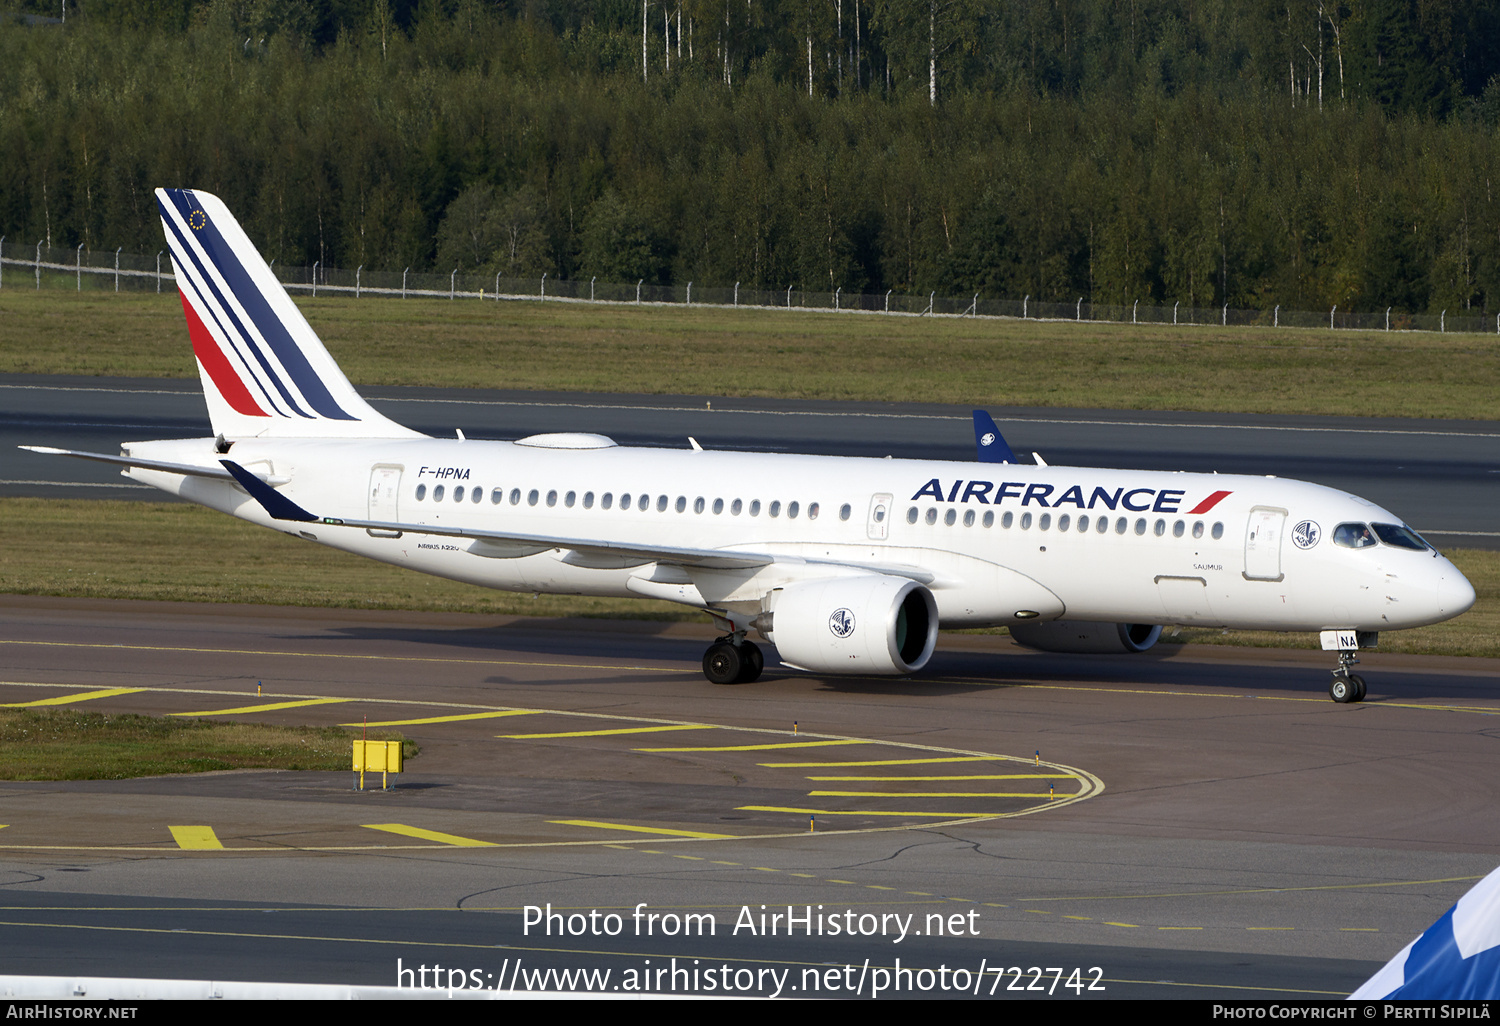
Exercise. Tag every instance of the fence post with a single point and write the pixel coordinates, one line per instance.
(1024, 304)
(1174, 312)
(39, 265)
(788, 297)
(497, 286)
(591, 285)
(78, 266)
(1133, 309)
(2, 260)
(690, 294)
(452, 278)
(1387, 318)
(1225, 322)
(544, 287)
(315, 277)
(1443, 322)
(638, 292)
(930, 297)
(158, 271)
(836, 293)
(974, 306)
(361, 267)
(736, 293)
(1330, 316)
(117, 267)
(1078, 313)
(1276, 317)
(403, 283)
(888, 299)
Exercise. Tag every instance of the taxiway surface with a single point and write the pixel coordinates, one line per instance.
(1193, 822)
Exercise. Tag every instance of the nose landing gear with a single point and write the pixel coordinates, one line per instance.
(1346, 686)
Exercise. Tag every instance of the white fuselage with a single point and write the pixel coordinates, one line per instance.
(991, 541)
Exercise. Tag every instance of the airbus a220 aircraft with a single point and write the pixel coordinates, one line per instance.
(846, 565)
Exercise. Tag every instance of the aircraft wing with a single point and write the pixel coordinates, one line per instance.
(510, 544)
(217, 473)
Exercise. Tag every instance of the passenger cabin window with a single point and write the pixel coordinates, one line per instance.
(533, 496)
(775, 509)
(718, 506)
(515, 496)
(1218, 531)
(496, 496)
(569, 499)
(421, 492)
(625, 501)
(989, 518)
(437, 493)
(791, 510)
(477, 494)
(735, 507)
(755, 507)
(845, 510)
(911, 515)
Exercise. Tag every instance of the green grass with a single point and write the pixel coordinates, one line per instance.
(67, 744)
(741, 352)
(177, 552)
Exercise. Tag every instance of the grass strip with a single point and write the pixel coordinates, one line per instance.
(70, 744)
(720, 351)
(178, 552)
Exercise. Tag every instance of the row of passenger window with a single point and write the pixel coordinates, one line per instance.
(626, 500)
(1082, 524)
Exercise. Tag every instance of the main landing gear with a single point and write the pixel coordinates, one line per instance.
(1346, 686)
(733, 660)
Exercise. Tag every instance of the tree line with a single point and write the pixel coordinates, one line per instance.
(1307, 153)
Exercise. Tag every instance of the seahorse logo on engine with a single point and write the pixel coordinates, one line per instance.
(841, 623)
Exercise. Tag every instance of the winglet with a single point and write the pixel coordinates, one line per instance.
(992, 447)
(276, 504)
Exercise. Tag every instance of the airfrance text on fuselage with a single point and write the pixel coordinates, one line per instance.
(1137, 500)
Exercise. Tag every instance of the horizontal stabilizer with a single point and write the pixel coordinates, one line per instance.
(217, 473)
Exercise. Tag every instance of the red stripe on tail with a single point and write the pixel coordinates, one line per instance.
(217, 364)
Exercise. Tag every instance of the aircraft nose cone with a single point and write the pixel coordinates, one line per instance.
(1455, 594)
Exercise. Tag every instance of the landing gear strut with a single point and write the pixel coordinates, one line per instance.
(1346, 686)
(733, 660)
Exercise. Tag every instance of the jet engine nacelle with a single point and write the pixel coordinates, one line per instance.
(865, 624)
(1086, 636)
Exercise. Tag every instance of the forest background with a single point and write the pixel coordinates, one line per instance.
(1248, 152)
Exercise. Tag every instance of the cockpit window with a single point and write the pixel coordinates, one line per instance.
(1353, 536)
(1400, 536)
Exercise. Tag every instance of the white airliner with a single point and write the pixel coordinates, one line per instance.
(846, 565)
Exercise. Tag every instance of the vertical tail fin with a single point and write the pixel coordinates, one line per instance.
(265, 372)
(988, 441)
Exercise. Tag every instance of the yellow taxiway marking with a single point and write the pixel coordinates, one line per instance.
(350, 655)
(196, 838)
(864, 812)
(428, 835)
(82, 696)
(446, 719)
(891, 762)
(993, 776)
(639, 829)
(268, 707)
(606, 733)
(929, 794)
(765, 747)
(1263, 890)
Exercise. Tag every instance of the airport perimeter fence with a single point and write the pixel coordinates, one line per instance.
(39, 266)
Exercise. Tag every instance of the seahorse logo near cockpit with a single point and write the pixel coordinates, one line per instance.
(1306, 534)
(841, 623)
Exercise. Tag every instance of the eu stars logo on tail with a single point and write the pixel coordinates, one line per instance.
(265, 372)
